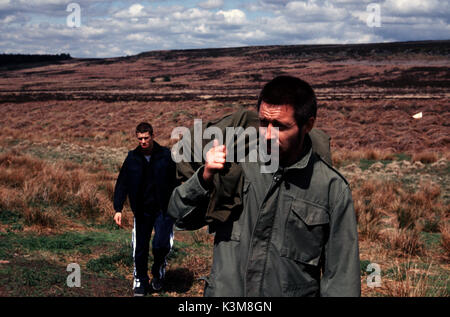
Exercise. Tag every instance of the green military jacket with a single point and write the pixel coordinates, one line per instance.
(227, 193)
(288, 233)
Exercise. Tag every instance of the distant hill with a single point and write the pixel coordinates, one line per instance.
(367, 93)
(322, 50)
(17, 61)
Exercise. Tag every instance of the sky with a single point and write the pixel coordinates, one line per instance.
(119, 28)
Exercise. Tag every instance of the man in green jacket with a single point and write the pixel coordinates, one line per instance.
(288, 232)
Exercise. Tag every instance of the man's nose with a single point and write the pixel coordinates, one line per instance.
(269, 132)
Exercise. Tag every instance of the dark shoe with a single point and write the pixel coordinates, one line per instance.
(157, 284)
(141, 289)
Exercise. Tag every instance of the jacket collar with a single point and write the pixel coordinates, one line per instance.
(307, 152)
(156, 152)
(304, 160)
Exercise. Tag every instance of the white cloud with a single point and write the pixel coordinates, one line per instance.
(43, 2)
(8, 19)
(117, 28)
(413, 6)
(211, 4)
(313, 11)
(192, 14)
(234, 16)
(135, 10)
(4, 4)
(202, 29)
(135, 37)
(253, 35)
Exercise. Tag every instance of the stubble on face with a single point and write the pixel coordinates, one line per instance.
(289, 138)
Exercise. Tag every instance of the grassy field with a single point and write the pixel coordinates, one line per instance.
(56, 209)
(66, 128)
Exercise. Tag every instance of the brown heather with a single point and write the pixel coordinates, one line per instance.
(407, 241)
(445, 237)
(385, 211)
(45, 193)
(409, 280)
(425, 157)
(341, 156)
(65, 129)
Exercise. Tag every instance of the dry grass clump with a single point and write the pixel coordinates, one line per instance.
(15, 168)
(405, 240)
(373, 204)
(408, 280)
(395, 216)
(423, 209)
(45, 193)
(10, 198)
(34, 216)
(342, 156)
(445, 237)
(446, 155)
(53, 185)
(426, 157)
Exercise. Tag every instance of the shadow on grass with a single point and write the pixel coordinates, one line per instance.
(178, 280)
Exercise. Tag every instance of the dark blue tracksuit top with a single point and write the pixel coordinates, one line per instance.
(148, 185)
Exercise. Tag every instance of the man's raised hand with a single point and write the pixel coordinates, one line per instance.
(215, 161)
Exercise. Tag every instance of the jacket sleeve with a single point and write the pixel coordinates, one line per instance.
(189, 202)
(341, 265)
(121, 190)
(172, 182)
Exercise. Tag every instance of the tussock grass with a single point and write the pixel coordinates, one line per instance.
(426, 157)
(405, 240)
(387, 212)
(37, 217)
(45, 193)
(445, 237)
(408, 280)
(341, 157)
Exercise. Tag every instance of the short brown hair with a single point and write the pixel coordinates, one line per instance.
(292, 91)
(144, 127)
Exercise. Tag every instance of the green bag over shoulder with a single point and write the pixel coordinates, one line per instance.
(226, 196)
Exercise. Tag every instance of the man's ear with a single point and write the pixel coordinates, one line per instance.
(309, 124)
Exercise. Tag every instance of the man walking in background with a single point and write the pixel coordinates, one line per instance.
(147, 177)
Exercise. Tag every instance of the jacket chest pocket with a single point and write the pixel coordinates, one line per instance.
(305, 233)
